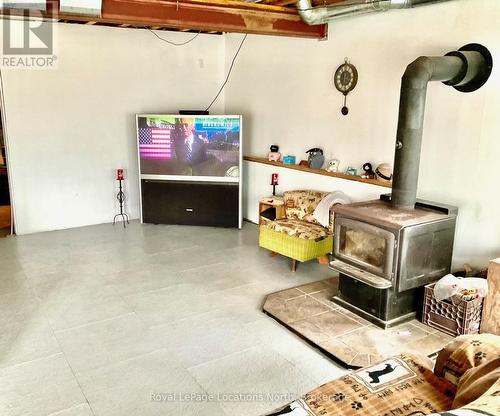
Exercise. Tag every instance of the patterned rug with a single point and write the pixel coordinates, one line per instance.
(398, 386)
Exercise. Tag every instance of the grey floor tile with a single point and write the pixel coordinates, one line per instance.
(127, 387)
(295, 350)
(26, 340)
(219, 276)
(205, 337)
(18, 306)
(69, 301)
(169, 304)
(38, 388)
(252, 381)
(183, 259)
(105, 342)
(12, 281)
(80, 410)
(143, 279)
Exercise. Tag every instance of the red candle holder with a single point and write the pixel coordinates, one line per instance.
(274, 182)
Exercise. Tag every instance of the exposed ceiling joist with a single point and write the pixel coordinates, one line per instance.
(202, 15)
(248, 18)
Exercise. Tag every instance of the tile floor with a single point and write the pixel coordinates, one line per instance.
(96, 320)
(309, 311)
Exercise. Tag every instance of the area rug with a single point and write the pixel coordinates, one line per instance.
(398, 386)
(345, 337)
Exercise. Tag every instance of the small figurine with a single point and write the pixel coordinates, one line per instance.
(316, 158)
(274, 154)
(333, 165)
(304, 163)
(384, 172)
(289, 160)
(351, 171)
(369, 173)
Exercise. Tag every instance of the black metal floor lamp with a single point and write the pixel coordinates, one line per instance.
(120, 196)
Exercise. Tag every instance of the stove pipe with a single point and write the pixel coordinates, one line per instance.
(466, 70)
(322, 14)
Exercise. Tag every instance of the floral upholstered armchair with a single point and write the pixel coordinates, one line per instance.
(298, 235)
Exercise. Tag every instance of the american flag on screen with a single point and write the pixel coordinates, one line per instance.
(154, 143)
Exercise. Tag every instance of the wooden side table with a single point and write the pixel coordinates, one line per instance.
(271, 208)
(491, 305)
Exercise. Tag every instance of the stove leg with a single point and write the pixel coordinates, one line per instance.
(294, 265)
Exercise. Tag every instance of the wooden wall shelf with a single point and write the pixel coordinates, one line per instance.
(318, 171)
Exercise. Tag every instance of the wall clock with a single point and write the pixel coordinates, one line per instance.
(345, 79)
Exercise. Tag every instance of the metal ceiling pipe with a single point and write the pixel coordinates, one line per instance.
(466, 70)
(322, 14)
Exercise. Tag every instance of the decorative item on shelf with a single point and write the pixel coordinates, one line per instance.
(274, 154)
(351, 171)
(316, 158)
(121, 198)
(304, 163)
(368, 171)
(274, 182)
(289, 160)
(333, 165)
(383, 172)
(345, 79)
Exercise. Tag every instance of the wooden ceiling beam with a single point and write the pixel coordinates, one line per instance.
(215, 15)
(283, 2)
(203, 15)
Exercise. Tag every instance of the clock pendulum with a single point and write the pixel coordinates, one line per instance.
(345, 79)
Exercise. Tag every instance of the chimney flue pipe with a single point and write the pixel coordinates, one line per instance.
(466, 70)
(322, 14)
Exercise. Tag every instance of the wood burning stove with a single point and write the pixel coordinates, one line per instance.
(387, 250)
(385, 255)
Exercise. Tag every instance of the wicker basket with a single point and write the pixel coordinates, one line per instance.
(453, 316)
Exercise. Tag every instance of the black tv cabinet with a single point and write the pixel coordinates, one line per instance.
(190, 203)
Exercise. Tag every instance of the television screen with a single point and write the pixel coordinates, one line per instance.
(178, 145)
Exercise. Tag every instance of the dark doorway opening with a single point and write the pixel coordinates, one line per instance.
(5, 206)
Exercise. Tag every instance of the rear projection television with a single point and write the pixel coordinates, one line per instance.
(179, 147)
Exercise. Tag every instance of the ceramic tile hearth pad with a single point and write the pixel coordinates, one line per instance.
(308, 311)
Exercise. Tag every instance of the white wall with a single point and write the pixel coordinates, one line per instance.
(70, 128)
(284, 89)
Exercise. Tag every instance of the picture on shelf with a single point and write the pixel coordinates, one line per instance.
(189, 145)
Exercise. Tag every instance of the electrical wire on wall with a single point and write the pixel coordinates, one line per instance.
(174, 43)
(230, 68)
(229, 72)
(5, 138)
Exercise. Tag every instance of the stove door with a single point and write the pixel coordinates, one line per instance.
(364, 246)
